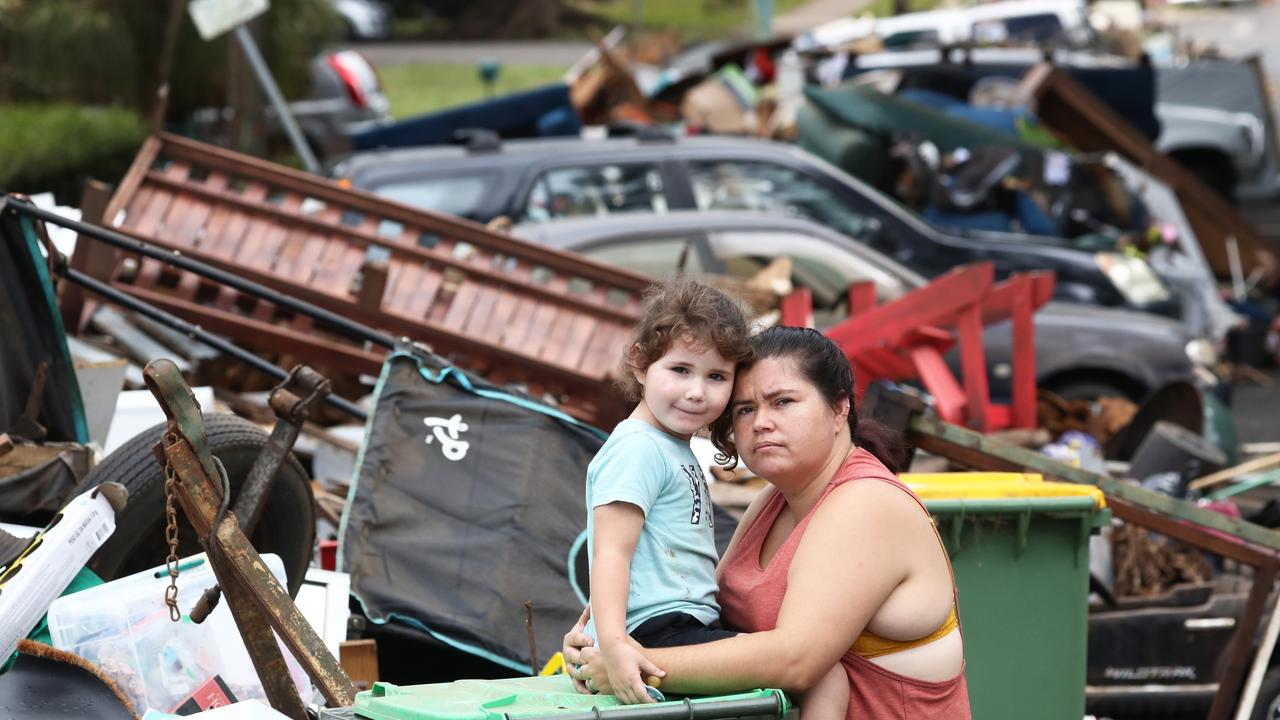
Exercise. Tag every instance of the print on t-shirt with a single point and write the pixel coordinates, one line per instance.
(698, 488)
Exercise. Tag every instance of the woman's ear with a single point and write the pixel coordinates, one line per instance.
(842, 413)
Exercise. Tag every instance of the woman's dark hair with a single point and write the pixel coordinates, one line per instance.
(825, 366)
(683, 308)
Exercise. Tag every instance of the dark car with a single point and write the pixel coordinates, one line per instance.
(539, 180)
(1081, 351)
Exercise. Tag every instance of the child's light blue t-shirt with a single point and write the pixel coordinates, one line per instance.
(674, 566)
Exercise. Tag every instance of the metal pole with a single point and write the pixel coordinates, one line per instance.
(195, 331)
(268, 84)
(178, 260)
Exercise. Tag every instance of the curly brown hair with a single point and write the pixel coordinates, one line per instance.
(683, 308)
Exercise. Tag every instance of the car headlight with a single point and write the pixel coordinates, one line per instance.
(1201, 352)
(1133, 277)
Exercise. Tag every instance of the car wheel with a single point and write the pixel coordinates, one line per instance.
(1090, 390)
(1267, 706)
(287, 527)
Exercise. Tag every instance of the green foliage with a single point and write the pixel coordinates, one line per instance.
(53, 147)
(694, 19)
(108, 51)
(418, 88)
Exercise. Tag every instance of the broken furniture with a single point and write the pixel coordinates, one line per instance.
(515, 313)
(1087, 124)
(907, 338)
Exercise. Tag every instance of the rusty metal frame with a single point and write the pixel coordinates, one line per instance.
(1241, 541)
(256, 599)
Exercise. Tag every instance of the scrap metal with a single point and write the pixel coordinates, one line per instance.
(550, 322)
(1089, 125)
(257, 601)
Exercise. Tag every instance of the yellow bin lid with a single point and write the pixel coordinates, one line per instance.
(995, 486)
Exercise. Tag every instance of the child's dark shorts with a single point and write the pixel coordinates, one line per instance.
(677, 628)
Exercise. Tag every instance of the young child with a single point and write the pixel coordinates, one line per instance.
(651, 539)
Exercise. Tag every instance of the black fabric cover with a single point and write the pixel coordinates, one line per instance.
(456, 548)
(31, 334)
(459, 547)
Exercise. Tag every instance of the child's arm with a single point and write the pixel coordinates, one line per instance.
(617, 529)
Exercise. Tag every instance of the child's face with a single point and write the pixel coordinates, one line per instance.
(685, 389)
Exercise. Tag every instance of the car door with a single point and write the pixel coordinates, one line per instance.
(596, 188)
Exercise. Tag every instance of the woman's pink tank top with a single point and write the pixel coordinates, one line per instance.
(751, 597)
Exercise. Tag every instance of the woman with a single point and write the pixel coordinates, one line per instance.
(836, 562)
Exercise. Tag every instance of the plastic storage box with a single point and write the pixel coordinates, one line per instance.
(542, 697)
(1020, 550)
(124, 628)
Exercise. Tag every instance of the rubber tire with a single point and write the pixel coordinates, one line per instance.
(287, 527)
(1268, 704)
(1090, 390)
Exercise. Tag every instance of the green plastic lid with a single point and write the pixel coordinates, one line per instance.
(541, 697)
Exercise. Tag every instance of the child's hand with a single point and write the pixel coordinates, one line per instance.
(627, 667)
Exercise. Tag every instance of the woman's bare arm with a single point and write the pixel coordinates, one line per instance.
(842, 572)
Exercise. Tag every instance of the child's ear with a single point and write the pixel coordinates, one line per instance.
(636, 371)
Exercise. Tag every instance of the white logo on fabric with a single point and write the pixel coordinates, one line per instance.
(447, 432)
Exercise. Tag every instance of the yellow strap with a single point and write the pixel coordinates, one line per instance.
(870, 645)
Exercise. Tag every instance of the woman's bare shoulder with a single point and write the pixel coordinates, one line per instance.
(869, 502)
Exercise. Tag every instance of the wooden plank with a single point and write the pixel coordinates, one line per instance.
(1088, 124)
(981, 452)
(444, 225)
(1266, 462)
(461, 306)
(550, 348)
(482, 314)
(575, 344)
(365, 234)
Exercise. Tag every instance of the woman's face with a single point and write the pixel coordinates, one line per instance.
(784, 429)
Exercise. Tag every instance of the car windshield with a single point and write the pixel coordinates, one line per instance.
(456, 195)
(770, 187)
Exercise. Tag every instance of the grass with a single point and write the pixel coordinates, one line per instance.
(418, 88)
(695, 19)
(884, 8)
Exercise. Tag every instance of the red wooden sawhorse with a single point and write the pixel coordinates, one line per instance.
(908, 337)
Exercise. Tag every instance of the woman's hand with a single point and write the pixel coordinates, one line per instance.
(575, 641)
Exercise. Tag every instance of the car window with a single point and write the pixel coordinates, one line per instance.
(770, 187)
(656, 256)
(1024, 29)
(457, 195)
(826, 269)
(596, 190)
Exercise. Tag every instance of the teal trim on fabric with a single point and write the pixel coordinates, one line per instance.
(355, 472)
(573, 567)
(456, 644)
(60, 335)
(525, 403)
(465, 382)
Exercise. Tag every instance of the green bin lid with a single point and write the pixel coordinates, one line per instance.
(545, 697)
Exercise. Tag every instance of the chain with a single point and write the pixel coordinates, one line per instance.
(171, 536)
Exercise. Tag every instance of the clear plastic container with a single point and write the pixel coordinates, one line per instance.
(124, 628)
